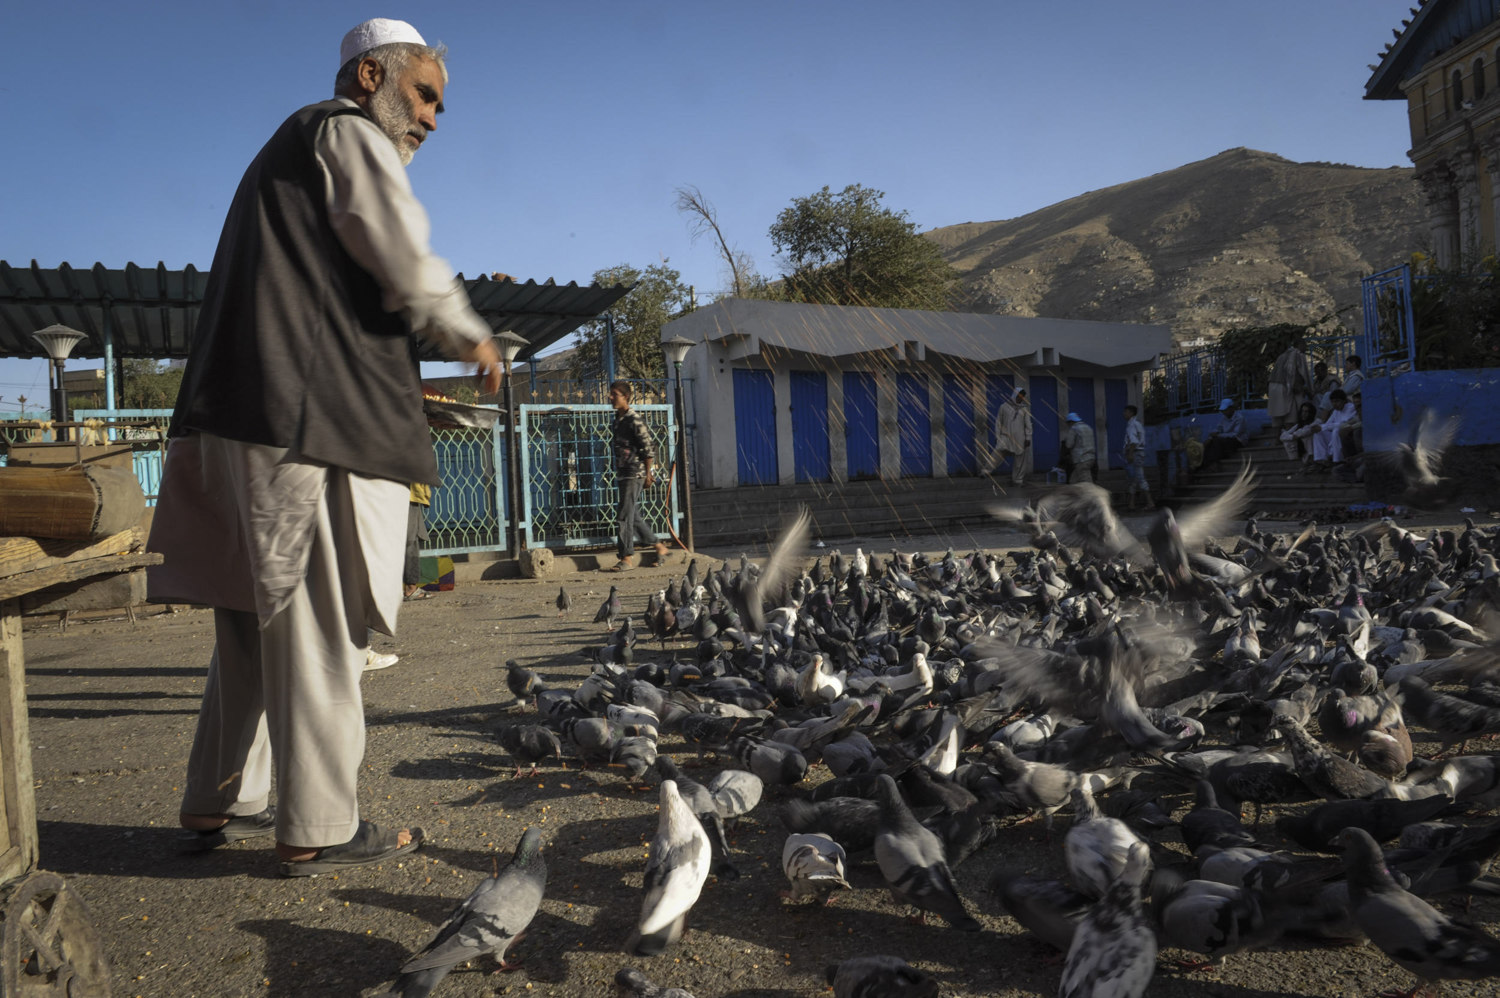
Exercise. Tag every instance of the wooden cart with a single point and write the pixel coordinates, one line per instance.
(48, 943)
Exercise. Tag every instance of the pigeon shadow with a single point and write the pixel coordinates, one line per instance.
(300, 960)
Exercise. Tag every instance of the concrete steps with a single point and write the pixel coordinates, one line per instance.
(1282, 485)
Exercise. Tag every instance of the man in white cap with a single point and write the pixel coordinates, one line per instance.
(1080, 443)
(297, 433)
(1228, 437)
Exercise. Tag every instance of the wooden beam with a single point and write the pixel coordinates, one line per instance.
(27, 554)
(72, 571)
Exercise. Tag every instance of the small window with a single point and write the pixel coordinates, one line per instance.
(1477, 77)
(1458, 89)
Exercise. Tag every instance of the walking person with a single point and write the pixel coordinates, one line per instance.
(1013, 436)
(1135, 456)
(1080, 443)
(635, 458)
(284, 500)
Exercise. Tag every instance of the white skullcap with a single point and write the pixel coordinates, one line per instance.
(375, 32)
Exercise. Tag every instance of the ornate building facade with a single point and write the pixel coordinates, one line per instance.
(1445, 63)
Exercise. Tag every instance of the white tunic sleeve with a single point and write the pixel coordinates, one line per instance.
(384, 227)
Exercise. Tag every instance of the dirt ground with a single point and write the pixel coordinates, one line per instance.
(113, 705)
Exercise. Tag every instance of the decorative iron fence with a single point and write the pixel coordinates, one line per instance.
(570, 492)
(1197, 380)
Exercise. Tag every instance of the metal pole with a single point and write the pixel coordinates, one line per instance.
(609, 348)
(513, 459)
(59, 403)
(682, 464)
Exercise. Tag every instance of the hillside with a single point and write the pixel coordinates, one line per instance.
(1241, 238)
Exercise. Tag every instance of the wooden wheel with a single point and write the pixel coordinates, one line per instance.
(48, 947)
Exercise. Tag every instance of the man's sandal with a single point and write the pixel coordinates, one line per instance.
(371, 844)
(236, 829)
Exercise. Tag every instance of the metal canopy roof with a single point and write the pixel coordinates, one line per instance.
(152, 311)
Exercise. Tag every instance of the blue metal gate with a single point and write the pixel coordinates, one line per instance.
(958, 424)
(1046, 423)
(914, 424)
(1116, 396)
(755, 426)
(567, 465)
(861, 425)
(809, 391)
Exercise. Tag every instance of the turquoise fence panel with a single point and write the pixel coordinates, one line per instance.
(571, 492)
(468, 512)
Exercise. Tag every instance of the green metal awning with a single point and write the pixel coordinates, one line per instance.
(151, 312)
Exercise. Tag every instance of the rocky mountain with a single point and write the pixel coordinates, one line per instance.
(1242, 238)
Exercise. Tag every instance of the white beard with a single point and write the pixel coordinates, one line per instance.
(397, 118)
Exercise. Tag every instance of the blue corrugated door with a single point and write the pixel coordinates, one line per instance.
(914, 419)
(997, 389)
(755, 426)
(1115, 398)
(809, 390)
(1045, 423)
(861, 425)
(958, 425)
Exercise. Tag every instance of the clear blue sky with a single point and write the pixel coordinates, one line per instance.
(569, 123)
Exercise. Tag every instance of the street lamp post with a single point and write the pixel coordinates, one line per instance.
(510, 346)
(675, 350)
(58, 341)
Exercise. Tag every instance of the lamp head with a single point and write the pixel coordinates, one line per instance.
(58, 341)
(510, 346)
(676, 349)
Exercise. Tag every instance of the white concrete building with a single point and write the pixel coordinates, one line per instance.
(789, 393)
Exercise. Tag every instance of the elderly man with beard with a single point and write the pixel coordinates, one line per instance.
(297, 432)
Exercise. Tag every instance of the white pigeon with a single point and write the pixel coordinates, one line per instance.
(814, 864)
(676, 870)
(1114, 949)
(1096, 848)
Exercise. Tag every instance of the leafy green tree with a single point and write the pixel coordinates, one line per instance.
(149, 385)
(849, 249)
(658, 297)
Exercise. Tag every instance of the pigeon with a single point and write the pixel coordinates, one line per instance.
(814, 865)
(1325, 774)
(529, 744)
(521, 682)
(564, 601)
(675, 873)
(879, 977)
(1211, 918)
(489, 920)
(1318, 829)
(1407, 929)
(748, 590)
(1419, 460)
(912, 861)
(638, 985)
(609, 609)
(1113, 954)
(1095, 848)
(1049, 908)
(850, 821)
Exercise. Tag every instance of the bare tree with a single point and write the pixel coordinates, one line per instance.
(691, 202)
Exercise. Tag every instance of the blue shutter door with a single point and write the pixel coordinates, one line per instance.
(809, 390)
(915, 424)
(1116, 397)
(958, 423)
(861, 425)
(755, 426)
(1046, 421)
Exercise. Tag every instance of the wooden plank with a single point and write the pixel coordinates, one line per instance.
(109, 593)
(27, 554)
(15, 737)
(30, 582)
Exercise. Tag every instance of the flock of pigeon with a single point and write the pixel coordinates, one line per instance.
(1115, 678)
